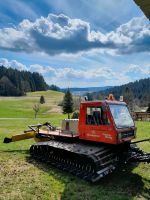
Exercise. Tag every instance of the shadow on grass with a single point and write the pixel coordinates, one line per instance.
(15, 151)
(122, 184)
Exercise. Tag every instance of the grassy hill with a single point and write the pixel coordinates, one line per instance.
(22, 178)
(22, 107)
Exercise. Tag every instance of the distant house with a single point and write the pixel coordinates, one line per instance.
(7, 88)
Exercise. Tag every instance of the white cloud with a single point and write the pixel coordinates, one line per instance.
(70, 73)
(57, 34)
(136, 72)
(83, 77)
(13, 64)
(133, 36)
(62, 76)
(137, 69)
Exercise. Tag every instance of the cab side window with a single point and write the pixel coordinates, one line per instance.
(96, 116)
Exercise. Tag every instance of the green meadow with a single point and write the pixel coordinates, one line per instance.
(22, 107)
(22, 178)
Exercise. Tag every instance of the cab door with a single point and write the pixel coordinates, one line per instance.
(97, 125)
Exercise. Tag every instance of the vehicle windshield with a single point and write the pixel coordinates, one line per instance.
(121, 116)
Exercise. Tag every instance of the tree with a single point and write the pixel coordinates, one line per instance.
(42, 100)
(68, 103)
(89, 96)
(36, 109)
(75, 115)
(54, 87)
(128, 98)
(16, 83)
(76, 102)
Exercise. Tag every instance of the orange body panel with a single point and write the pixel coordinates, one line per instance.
(100, 133)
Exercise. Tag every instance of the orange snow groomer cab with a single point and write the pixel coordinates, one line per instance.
(107, 121)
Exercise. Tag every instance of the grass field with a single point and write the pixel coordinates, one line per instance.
(22, 107)
(21, 178)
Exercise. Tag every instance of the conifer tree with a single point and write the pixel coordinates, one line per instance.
(128, 98)
(68, 103)
(42, 100)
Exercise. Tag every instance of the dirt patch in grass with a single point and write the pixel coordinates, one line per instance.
(55, 109)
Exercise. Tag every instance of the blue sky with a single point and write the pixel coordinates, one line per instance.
(76, 43)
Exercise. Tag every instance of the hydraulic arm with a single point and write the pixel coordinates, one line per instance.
(33, 132)
(27, 135)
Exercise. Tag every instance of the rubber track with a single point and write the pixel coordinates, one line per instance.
(88, 162)
(137, 155)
